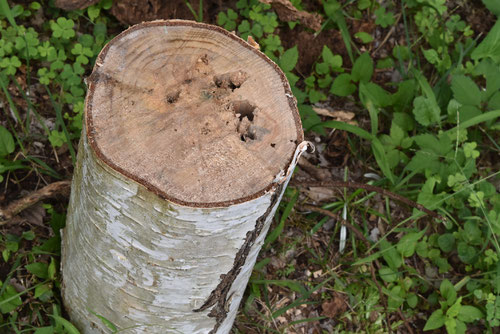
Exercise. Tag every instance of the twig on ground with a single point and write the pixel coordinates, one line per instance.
(386, 38)
(49, 191)
(321, 174)
(385, 192)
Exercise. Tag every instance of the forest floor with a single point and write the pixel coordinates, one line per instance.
(402, 101)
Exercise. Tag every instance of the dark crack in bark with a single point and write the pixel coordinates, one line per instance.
(219, 295)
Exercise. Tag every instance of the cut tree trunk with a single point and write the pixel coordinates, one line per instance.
(190, 137)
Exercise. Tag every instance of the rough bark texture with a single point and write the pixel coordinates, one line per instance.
(137, 249)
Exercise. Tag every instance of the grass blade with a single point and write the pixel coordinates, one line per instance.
(5, 9)
(3, 80)
(277, 231)
(60, 119)
(68, 326)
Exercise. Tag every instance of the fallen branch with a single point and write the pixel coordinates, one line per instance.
(49, 191)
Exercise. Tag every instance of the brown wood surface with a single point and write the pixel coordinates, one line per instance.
(192, 112)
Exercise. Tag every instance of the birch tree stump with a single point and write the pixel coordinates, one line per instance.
(190, 137)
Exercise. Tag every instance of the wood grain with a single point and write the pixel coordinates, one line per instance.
(192, 112)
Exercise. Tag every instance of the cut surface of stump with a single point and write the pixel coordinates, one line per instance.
(192, 112)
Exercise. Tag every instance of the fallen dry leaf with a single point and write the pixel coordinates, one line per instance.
(334, 307)
(252, 42)
(287, 12)
(319, 194)
(338, 115)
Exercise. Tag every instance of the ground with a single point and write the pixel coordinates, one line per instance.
(400, 95)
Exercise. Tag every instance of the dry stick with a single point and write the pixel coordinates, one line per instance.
(372, 269)
(19, 205)
(391, 31)
(385, 192)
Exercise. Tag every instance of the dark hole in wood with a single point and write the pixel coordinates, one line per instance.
(173, 97)
(245, 109)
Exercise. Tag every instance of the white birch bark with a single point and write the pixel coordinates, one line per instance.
(190, 138)
(145, 263)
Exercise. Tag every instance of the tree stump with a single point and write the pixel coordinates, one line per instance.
(190, 137)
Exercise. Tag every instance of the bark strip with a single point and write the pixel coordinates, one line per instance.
(219, 296)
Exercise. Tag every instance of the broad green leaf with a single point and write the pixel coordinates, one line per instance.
(426, 111)
(494, 102)
(448, 292)
(404, 121)
(41, 289)
(454, 309)
(379, 96)
(311, 120)
(493, 6)
(335, 61)
(387, 274)
(412, 300)
(364, 37)
(362, 70)
(402, 99)
(390, 254)
(451, 325)
(490, 46)
(68, 326)
(52, 269)
(446, 242)
(428, 141)
(45, 330)
(292, 78)
(468, 112)
(322, 68)
(469, 313)
(396, 299)
(472, 232)
(342, 85)
(28, 235)
(330, 7)
(38, 269)
(7, 144)
(9, 300)
(406, 246)
(397, 134)
(435, 321)
(289, 59)
(466, 253)
(431, 55)
(93, 12)
(461, 327)
(465, 90)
